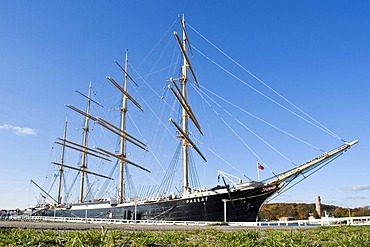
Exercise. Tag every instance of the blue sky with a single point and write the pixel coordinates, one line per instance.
(315, 53)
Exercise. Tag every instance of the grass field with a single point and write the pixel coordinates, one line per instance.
(318, 236)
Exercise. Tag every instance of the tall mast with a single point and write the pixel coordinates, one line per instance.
(59, 199)
(121, 131)
(123, 136)
(180, 94)
(84, 144)
(183, 81)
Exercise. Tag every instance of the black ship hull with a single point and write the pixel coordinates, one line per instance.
(233, 205)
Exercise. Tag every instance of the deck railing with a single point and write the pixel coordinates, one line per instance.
(316, 222)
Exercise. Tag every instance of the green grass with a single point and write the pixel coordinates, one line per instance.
(318, 236)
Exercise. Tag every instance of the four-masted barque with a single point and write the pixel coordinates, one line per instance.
(237, 202)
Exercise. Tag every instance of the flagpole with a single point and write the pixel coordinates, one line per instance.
(258, 172)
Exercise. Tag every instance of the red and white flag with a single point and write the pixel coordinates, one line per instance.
(260, 167)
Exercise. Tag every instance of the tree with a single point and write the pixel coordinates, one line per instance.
(301, 211)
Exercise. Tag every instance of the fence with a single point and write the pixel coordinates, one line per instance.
(325, 221)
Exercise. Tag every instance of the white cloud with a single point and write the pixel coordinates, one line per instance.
(21, 131)
(358, 188)
(361, 187)
(358, 198)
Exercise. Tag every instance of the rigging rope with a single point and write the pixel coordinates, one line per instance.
(232, 130)
(131, 191)
(65, 197)
(317, 125)
(88, 189)
(228, 163)
(159, 57)
(194, 179)
(251, 131)
(264, 95)
(319, 167)
(167, 180)
(260, 119)
(165, 35)
(68, 193)
(162, 69)
(154, 113)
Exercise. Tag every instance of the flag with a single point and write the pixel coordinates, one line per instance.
(260, 167)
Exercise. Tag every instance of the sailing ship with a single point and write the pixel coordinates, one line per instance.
(230, 201)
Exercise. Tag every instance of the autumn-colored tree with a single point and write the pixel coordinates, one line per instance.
(364, 211)
(301, 211)
(339, 212)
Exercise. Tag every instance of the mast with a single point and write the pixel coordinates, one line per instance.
(183, 82)
(121, 131)
(59, 199)
(123, 136)
(84, 144)
(180, 94)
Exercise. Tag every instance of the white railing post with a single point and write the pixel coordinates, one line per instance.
(86, 214)
(225, 211)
